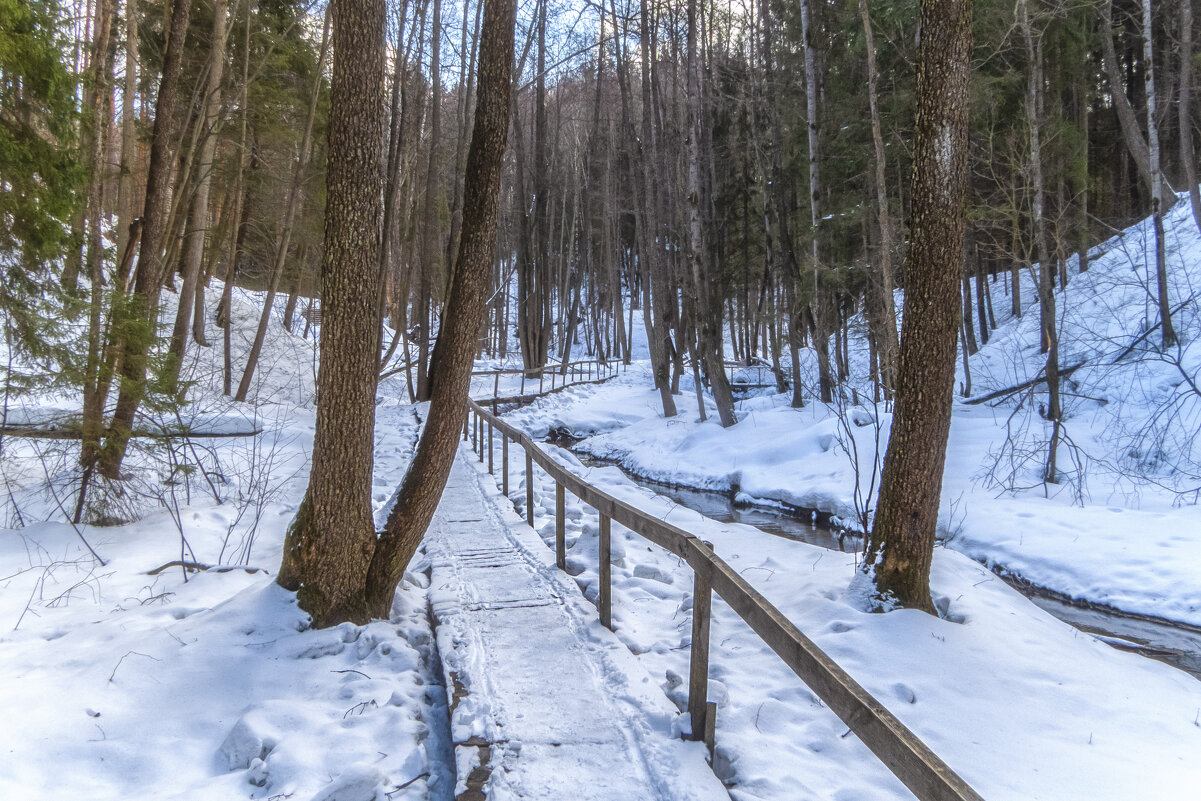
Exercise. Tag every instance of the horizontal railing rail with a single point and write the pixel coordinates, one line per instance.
(558, 376)
(910, 759)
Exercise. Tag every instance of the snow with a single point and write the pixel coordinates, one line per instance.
(539, 681)
(1019, 704)
(123, 681)
(1121, 527)
(120, 680)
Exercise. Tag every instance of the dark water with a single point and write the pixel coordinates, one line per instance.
(1178, 645)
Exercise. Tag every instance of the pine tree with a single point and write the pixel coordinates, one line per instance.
(40, 171)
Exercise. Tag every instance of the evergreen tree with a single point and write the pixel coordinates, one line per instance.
(40, 173)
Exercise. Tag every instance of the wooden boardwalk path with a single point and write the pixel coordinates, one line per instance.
(546, 702)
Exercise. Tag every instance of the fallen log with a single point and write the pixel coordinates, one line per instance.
(1039, 379)
(1130, 348)
(71, 432)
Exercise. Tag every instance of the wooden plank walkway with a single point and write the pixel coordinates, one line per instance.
(546, 703)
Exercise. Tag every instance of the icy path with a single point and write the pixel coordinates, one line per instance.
(548, 703)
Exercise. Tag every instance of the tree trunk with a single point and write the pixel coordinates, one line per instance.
(901, 545)
(96, 140)
(655, 308)
(426, 477)
(237, 224)
(886, 334)
(1158, 188)
(129, 141)
(706, 303)
(1184, 108)
(1136, 145)
(1049, 339)
(138, 323)
(819, 317)
(431, 226)
(329, 544)
(198, 222)
(291, 208)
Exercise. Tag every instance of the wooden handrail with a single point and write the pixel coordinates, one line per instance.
(910, 759)
(544, 368)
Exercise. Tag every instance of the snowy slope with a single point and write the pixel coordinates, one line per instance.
(121, 680)
(1121, 528)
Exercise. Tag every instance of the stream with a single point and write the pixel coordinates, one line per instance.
(1176, 644)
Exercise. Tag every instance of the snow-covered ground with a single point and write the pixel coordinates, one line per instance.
(120, 680)
(123, 681)
(1019, 704)
(1122, 528)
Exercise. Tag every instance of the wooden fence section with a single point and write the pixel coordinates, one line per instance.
(919, 768)
(558, 376)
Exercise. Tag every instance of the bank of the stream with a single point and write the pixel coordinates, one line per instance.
(1177, 644)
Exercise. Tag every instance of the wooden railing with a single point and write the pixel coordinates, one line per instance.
(558, 376)
(911, 760)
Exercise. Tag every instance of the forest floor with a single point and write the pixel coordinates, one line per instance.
(122, 681)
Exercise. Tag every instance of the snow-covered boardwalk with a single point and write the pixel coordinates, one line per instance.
(546, 702)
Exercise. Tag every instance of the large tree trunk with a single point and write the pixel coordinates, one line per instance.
(329, 544)
(901, 545)
(426, 477)
(138, 322)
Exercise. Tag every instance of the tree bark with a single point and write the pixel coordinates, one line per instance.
(426, 477)
(129, 141)
(1184, 108)
(291, 208)
(1049, 339)
(328, 546)
(136, 328)
(706, 303)
(901, 546)
(198, 221)
(1136, 144)
(96, 140)
(1158, 188)
(886, 334)
(431, 225)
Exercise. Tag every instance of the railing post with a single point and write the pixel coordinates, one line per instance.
(698, 664)
(529, 488)
(467, 424)
(710, 736)
(491, 471)
(606, 574)
(504, 463)
(541, 378)
(560, 527)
